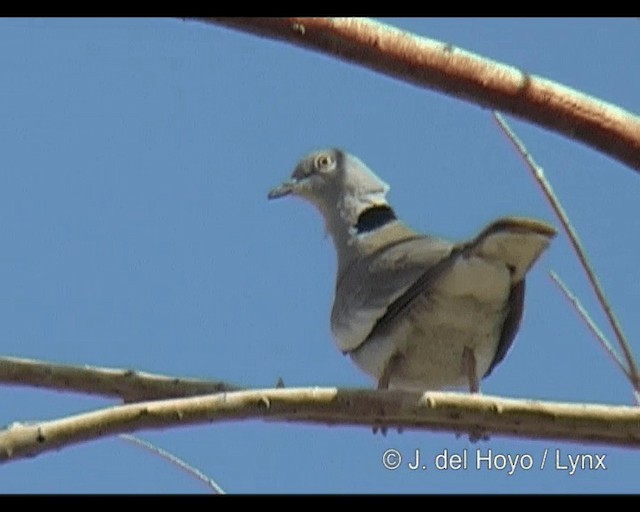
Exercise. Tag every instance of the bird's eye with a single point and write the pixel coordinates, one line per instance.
(323, 161)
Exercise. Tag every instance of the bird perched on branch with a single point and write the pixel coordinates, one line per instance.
(414, 311)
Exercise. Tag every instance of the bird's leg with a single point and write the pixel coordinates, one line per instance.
(383, 382)
(469, 368)
(392, 366)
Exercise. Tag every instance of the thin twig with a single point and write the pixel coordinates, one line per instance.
(547, 189)
(590, 323)
(451, 70)
(604, 342)
(174, 460)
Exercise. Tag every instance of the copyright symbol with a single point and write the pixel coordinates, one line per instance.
(391, 459)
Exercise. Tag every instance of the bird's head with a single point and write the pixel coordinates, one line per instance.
(338, 184)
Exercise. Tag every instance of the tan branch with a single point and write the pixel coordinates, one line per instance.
(451, 70)
(128, 385)
(583, 423)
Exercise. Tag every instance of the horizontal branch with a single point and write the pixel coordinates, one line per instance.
(128, 385)
(451, 70)
(583, 423)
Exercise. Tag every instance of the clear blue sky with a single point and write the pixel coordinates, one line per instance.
(136, 156)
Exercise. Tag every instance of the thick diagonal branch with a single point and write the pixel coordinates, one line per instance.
(456, 72)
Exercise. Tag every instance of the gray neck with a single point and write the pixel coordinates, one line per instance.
(344, 240)
(355, 237)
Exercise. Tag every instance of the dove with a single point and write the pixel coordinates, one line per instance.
(414, 311)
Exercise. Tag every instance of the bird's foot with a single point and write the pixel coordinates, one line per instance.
(475, 434)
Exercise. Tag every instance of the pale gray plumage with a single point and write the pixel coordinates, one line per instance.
(414, 311)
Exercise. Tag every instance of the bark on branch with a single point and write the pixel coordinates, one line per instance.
(127, 385)
(583, 423)
(451, 70)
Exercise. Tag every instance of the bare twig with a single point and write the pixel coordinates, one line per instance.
(547, 189)
(128, 385)
(438, 411)
(210, 483)
(590, 324)
(451, 70)
(604, 342)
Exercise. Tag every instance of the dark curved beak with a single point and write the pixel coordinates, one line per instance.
(282, 190)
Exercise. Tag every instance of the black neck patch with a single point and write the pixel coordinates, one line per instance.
(374, 218)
